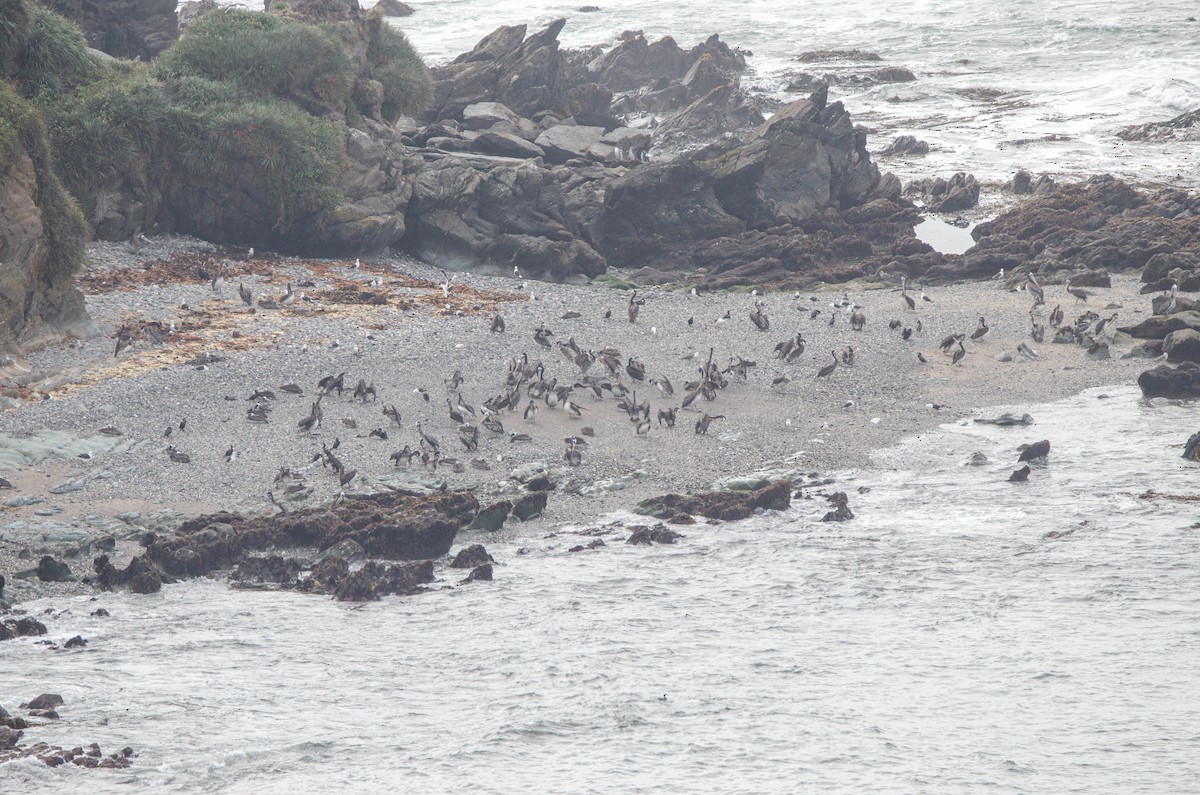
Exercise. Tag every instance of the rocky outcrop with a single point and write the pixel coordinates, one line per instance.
(386, 525)
(472, 215)
(1182, 382)
(133, 29)
(960, 192)
(1182, 346)
(722, 505)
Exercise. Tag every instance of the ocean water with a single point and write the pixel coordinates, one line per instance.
(961, 634)
(1001, 86)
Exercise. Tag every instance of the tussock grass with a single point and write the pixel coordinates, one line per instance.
(54, 57)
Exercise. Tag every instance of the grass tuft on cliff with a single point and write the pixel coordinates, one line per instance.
(54, 56)
(391, 59)
(264, 54)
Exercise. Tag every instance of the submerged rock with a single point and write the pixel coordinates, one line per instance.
(723, 505)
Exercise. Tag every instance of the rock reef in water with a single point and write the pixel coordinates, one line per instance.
(721, 505)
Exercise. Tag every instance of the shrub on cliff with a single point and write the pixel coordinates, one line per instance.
(53, 57)
(264, 54)
(391, 60)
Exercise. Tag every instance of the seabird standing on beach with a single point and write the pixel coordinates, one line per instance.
(246, 295)
(829, 368)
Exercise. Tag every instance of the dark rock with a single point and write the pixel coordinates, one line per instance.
(140, 576)
(1191, 450)
(540, 482)
(1160, 266)
(492, 517)
(656, 206)
(1006, 420)
(1035, 451)
(841, 508)
(595, 543)
(9, 738)
(723, 505)
(100, 612)
(51, 570)
(1020, 475)
(647, 535)
(906, 146)
(393, 8)
(274, 568)
(376, 580)
(474, 215)
(483, 572)
(802, 161)
(1163, 381)
(470, 557)
(721, 111)
(21, 628)
(635, 63)
(1157, 327)
(960, 192)
(1183, 127)
(44, 701)
(76, 642)
(526, 74)
(530, 506)
(131, 29)
(1182, 345)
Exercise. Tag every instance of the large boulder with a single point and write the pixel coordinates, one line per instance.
(471, 214)
(1156, 327)
(1182, 345)
(636, 62)
(723, 505)
(1180, 382)
(564, 142)
(133, 29)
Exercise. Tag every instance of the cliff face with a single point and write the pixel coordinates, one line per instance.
(42, 234)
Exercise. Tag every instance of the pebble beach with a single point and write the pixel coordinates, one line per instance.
(406, 328)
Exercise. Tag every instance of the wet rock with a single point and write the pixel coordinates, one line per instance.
(1023, 183)
(1164, 381)
(1006, 420)
(274, 569)
(1034, 451)
(376, 580)
(100, 612)
(960, 192)
(348, 550)
(648, 535)
(595, 543)
(722, 505)
(1020, 475)
(905, 145)
(44, 701)
(140, 576)
(841, 508)
(483, 572)
(77, 642)
(9, 738)
(51, 570)
(530, 506)
(1191, 450)
(492, 517)
(1182, 346)
(470, 557)
(21, 628)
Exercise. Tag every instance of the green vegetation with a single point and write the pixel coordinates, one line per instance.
(53, 57)
(407, 87)
(616, 282)
(251, 108)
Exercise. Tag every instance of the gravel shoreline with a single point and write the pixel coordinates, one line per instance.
(418, 340)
